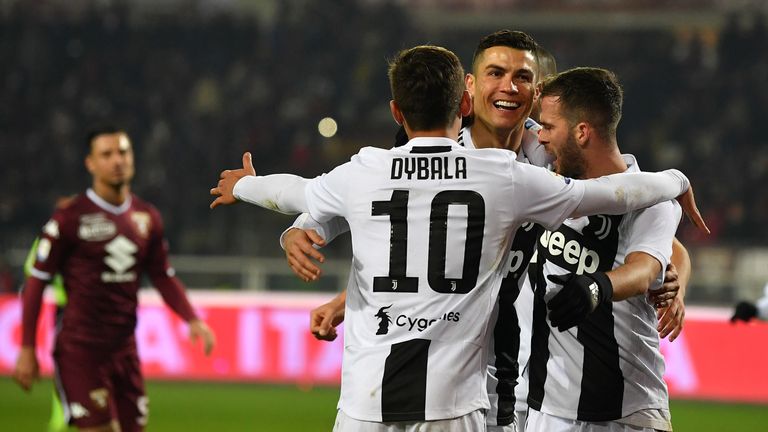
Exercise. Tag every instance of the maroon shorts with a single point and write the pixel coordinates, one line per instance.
(98, 386)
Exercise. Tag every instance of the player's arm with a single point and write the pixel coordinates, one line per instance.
(550, 199)
(27, 370)
(282, 193)
(324, 319)
(171, 289)
(303, 239)
(649, 244)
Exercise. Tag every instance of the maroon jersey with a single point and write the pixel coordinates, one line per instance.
(102, 250)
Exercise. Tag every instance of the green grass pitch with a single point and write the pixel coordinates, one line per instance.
(187, 406)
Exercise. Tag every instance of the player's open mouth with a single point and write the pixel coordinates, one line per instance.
(506, 105)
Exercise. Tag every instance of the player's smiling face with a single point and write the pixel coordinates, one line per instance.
(503, 87)
(111, 159)
(557, 137)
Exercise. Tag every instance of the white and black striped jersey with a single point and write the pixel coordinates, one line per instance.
(609, 366)
(509, 345)
(431, 226)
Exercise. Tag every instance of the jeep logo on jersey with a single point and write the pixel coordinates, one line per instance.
(121, 257)
(573, 253)
(384, 320)
(96, 227)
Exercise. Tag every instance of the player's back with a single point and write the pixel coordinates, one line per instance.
(431, 224)
(101, 251)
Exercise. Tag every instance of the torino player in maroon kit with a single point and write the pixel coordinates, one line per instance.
(101, 243)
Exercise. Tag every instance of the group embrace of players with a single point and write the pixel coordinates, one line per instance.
(510, 297)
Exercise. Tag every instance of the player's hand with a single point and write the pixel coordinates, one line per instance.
(299, 251)
(671, 319)
(688, 203)
(663, 297)
(744, 311)
(224, 190)
(324, 319)
(579, 297)
(27, 370)
(198, 329)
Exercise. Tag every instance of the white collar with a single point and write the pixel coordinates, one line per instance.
(101, 202)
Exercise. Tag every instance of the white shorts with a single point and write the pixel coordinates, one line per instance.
(507, 428)
(474, 421)
(541, 422)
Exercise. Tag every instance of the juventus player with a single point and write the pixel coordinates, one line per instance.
(595, 365)
(501, 84)
(101, 242)
(417, 317)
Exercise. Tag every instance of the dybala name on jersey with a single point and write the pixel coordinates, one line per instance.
(429, 168)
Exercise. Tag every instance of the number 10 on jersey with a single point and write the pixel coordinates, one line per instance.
(397, 209)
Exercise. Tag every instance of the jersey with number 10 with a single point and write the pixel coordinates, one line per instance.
(431, 223)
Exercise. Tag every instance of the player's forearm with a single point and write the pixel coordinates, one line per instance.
(682, 261)
(634, 277)
(172, 291)
(328, 230)
(282, 193)
(32, 300)
(622, 193)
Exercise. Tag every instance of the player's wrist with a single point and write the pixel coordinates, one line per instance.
(602, 291)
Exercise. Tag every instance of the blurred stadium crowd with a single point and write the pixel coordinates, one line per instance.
(195, 89)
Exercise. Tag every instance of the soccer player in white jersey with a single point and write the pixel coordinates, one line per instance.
(505, 66)
(595, 364)
(417, 317)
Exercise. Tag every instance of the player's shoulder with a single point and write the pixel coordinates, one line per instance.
(69, 206)
(138, 203)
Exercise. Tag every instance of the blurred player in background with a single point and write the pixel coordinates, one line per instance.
(747, 311)
(101, 243)
(595, 364)
(57, 422)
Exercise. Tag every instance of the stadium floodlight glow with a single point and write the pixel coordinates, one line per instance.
(327, 127)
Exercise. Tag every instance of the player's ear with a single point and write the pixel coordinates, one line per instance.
(466, 104)
(396, 113)
(469, 82)
(583, 132)
(89, 164)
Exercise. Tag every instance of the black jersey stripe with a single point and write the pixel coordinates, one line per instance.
(537, 364)
(404, 385)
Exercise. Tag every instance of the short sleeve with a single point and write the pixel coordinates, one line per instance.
(652, 230)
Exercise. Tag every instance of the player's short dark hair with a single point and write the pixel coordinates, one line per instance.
(546, 63)
(98, 130)
(588, 94)
(427, 83)
(508, 38)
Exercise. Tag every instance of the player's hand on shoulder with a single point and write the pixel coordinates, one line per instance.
(671, 319)
(744, 311)
(300, 251)
(198, 329)
(227, 180)
(579, 297)
(27, 370)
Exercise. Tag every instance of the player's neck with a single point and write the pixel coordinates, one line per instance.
(115, 195)
(605, 160)
(483, 136)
